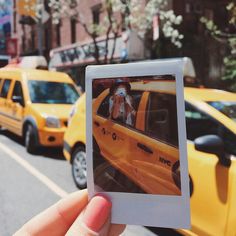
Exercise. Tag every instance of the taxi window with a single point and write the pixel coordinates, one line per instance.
(199, 123)
(161, 118)
(134, 100)
(17, 91)
(103, 110)
(5, 88)
(48, 92)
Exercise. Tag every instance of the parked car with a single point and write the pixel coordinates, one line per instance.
(74, 142)
(211, 132)
(35, 104)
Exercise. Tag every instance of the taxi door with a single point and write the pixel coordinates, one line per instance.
(154, 151)
(211, 193)
(16, 107)
(212, 181)
(4, 103)
(115, 138)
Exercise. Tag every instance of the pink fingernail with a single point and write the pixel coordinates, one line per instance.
(97, 212)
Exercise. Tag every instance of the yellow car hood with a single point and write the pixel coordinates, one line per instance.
(58, 110)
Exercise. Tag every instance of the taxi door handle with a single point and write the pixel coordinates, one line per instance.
(145, 148)
(96, 123)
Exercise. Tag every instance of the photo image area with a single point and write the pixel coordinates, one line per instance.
(135, 135)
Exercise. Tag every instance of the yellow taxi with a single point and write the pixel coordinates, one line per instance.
(74, 142)
(35, 104)
(211, 132)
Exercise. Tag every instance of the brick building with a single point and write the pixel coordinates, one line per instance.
(206, 52)
(68, 47)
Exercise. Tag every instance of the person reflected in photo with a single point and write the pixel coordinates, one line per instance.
(121, 103)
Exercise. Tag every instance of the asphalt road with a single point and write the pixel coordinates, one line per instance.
(31, 183)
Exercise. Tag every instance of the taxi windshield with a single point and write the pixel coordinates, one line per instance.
(227, 108)
(52, 92)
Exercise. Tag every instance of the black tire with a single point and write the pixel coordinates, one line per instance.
(79, 168)
(30, 140)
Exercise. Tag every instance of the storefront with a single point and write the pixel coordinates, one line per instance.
(74, 58)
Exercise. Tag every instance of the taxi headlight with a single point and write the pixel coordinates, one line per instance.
(52, 122)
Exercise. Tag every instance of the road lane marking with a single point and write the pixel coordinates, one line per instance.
(36, 173)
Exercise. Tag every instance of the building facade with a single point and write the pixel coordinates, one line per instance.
(68, 47)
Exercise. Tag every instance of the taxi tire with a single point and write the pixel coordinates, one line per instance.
(80, 149)
(30, 139)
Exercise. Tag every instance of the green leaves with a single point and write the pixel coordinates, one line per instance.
(229, 39)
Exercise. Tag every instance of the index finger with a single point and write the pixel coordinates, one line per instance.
(57, 219)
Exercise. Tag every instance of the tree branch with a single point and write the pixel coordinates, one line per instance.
(93, 35)
(109, 29)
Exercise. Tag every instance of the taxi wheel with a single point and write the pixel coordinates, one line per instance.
(30, 140)
(79, 168)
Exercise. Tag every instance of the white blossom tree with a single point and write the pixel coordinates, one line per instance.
(227, 37)
(121, 15)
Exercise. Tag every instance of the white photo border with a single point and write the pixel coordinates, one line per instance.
(134, 208)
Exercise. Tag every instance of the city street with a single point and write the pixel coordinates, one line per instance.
(31, 183)
(137, 98)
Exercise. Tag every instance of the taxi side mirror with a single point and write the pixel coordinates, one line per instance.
(18, 99)
(212, 144)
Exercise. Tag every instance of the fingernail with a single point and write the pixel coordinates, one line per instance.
(97, 212)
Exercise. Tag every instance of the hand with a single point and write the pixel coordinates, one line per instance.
(118, 99)
(74, 215)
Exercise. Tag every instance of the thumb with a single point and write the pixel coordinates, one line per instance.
(94, 220)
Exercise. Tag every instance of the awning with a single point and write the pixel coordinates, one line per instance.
(132, 48)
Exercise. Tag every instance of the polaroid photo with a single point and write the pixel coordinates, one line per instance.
(136, 142)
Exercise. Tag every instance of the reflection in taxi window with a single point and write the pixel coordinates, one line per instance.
(227, 108)
(104, 107)
(52, 92)
(161, 120)
(199, 123)
(17, 91)
(103, 110)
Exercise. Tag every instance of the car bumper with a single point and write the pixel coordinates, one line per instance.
(51, 138)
